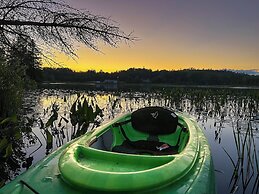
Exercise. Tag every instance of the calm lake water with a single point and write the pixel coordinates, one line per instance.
(228, 116)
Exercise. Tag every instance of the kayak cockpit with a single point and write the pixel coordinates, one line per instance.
(132, 151)
(149, 131)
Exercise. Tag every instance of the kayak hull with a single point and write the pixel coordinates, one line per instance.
(79, 168)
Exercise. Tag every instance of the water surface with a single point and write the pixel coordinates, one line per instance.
(228, 116)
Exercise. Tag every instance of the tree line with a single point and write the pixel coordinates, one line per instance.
(142, 75)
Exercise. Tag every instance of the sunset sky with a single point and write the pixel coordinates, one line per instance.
(175, 34)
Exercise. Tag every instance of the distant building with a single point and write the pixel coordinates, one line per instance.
(110, 81)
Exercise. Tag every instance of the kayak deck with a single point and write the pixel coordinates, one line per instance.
(115, 163)
(89, 164)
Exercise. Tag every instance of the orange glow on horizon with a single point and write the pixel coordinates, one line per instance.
(136, 56)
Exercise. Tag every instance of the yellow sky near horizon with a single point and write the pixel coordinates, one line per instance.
(174, 35)
(137, 56)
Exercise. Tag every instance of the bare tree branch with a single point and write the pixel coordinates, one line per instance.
(55, 24)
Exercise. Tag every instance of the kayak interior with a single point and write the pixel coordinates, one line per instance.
(148, 142)
(127, 137)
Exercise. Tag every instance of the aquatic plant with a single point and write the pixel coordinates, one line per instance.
(61, 115)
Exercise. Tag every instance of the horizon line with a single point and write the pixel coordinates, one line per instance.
(191, 68)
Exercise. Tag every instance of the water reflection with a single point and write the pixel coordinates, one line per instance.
(229, 117)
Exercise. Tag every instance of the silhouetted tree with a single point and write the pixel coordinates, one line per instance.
(132, 75)
(23, 57)
(54, 24)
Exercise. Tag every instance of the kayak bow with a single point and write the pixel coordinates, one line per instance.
(149, 150)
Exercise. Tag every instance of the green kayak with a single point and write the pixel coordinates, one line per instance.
(150, 150)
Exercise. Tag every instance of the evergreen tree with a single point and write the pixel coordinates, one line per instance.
(23, 57)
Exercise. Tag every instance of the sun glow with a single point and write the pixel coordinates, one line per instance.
(174, 35)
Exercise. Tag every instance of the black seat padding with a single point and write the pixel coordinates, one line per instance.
(154, 120)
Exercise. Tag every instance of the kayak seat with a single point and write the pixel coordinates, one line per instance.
(152, 121)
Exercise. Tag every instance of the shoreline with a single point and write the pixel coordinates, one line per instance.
(150, 85)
